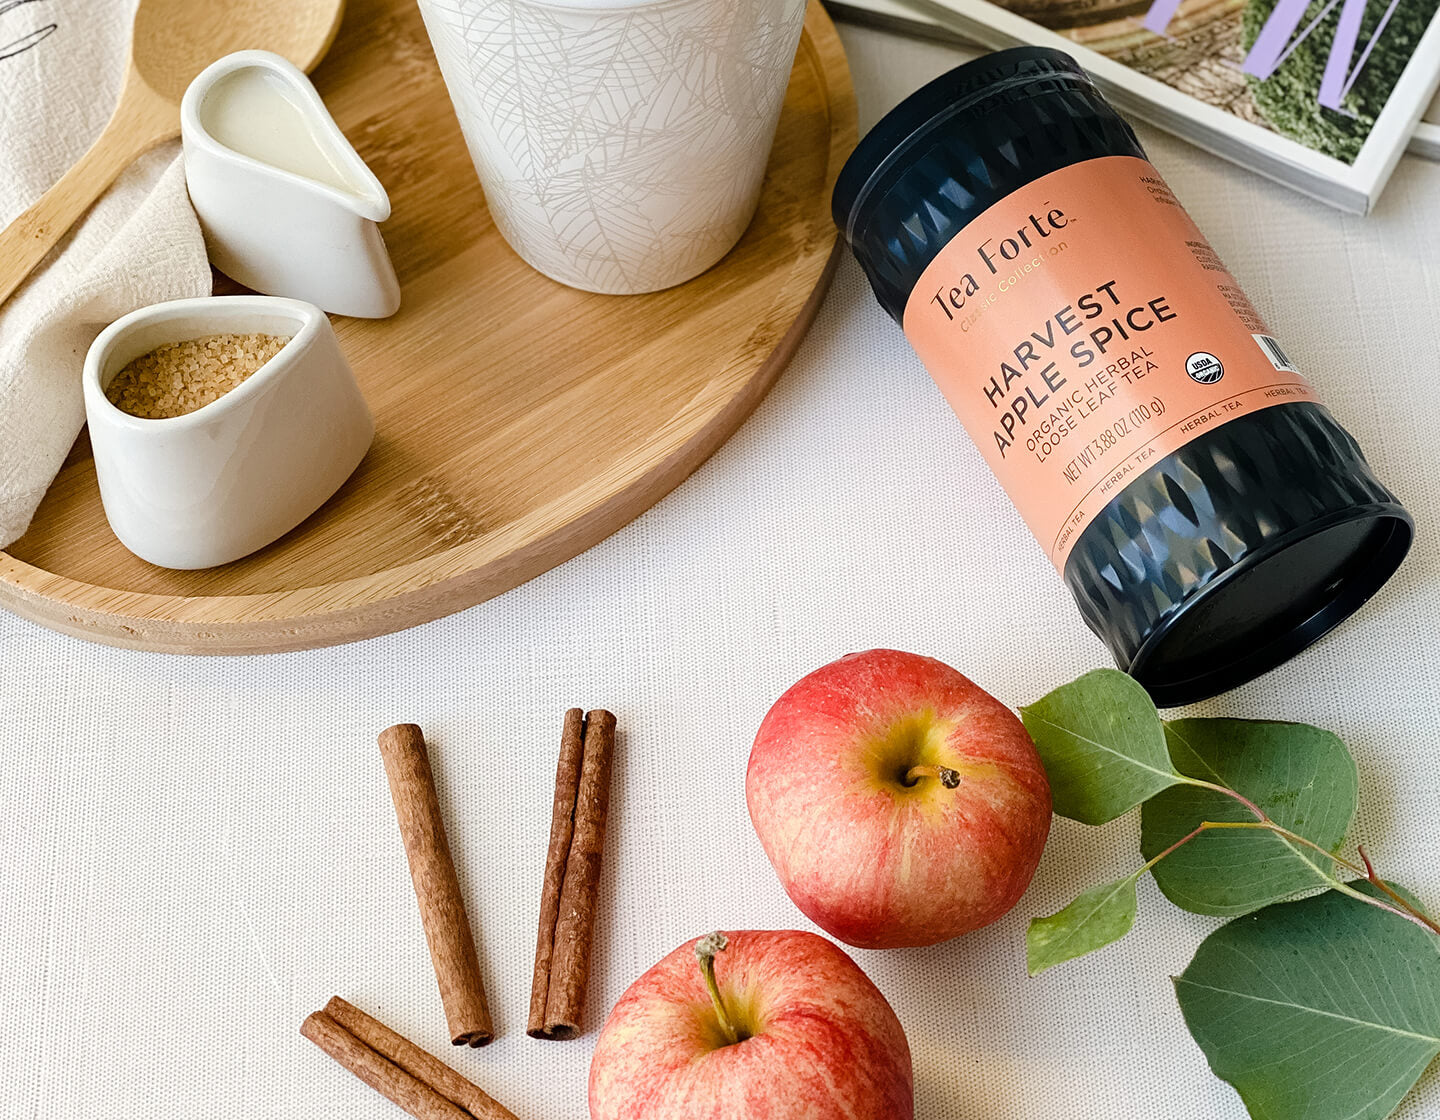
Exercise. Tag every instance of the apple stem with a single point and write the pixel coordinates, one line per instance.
(705, 950)
(948, 778)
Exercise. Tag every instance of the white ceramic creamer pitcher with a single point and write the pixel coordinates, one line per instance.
(287, 205)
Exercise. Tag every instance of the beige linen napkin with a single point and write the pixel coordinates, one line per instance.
(61, 65)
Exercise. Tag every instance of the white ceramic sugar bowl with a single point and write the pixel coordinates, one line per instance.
(218, 483)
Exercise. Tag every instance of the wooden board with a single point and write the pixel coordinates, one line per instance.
(518, 421)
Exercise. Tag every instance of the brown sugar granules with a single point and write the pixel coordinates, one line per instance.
(180, 377)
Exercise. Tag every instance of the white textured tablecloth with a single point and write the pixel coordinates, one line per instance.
(195, 853)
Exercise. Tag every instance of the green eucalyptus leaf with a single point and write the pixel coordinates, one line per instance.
(1102, 744)
(1323, 1009)
(1095, 919)
(1301, 776)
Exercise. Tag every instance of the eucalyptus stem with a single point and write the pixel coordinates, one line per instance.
(705, 950)
(1279, 829)
(1404, 908)
(1228, 792)
(1409, 914)
(1380, 884)
(1194, 832)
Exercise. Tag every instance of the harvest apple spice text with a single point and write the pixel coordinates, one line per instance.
(1035, 401)
(1038, 403)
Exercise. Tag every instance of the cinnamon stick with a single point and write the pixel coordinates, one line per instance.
(377, 1071)
(572, 875)
(418, 1063)
(437, 888)
(562, 829)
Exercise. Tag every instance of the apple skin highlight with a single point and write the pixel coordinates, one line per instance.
(877, 862)
(819, 1040)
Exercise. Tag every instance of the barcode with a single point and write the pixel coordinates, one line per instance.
(1274, 353)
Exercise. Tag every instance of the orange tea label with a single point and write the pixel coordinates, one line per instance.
(1082, 329)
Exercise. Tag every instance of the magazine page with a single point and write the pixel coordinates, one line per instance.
(1320, 94)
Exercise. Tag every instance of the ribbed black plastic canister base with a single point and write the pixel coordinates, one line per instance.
(1234, 553)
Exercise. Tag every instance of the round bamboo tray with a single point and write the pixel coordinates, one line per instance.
(518, 422)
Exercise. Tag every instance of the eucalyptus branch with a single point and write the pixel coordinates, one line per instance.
(1403, 907)
(1228, 792)
(1404, 910)
(1265, 824)
(1288, 966)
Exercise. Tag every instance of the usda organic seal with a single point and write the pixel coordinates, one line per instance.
(1204, 368)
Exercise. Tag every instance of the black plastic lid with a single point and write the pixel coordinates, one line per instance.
(956, 91)
(957, 146)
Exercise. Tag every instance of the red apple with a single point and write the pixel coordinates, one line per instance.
(782, 1026)
(850, 790)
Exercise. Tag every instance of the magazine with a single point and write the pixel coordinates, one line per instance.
(1322, 95)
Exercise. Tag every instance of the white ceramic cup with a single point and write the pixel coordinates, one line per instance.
(218, 483)
(621, 143)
